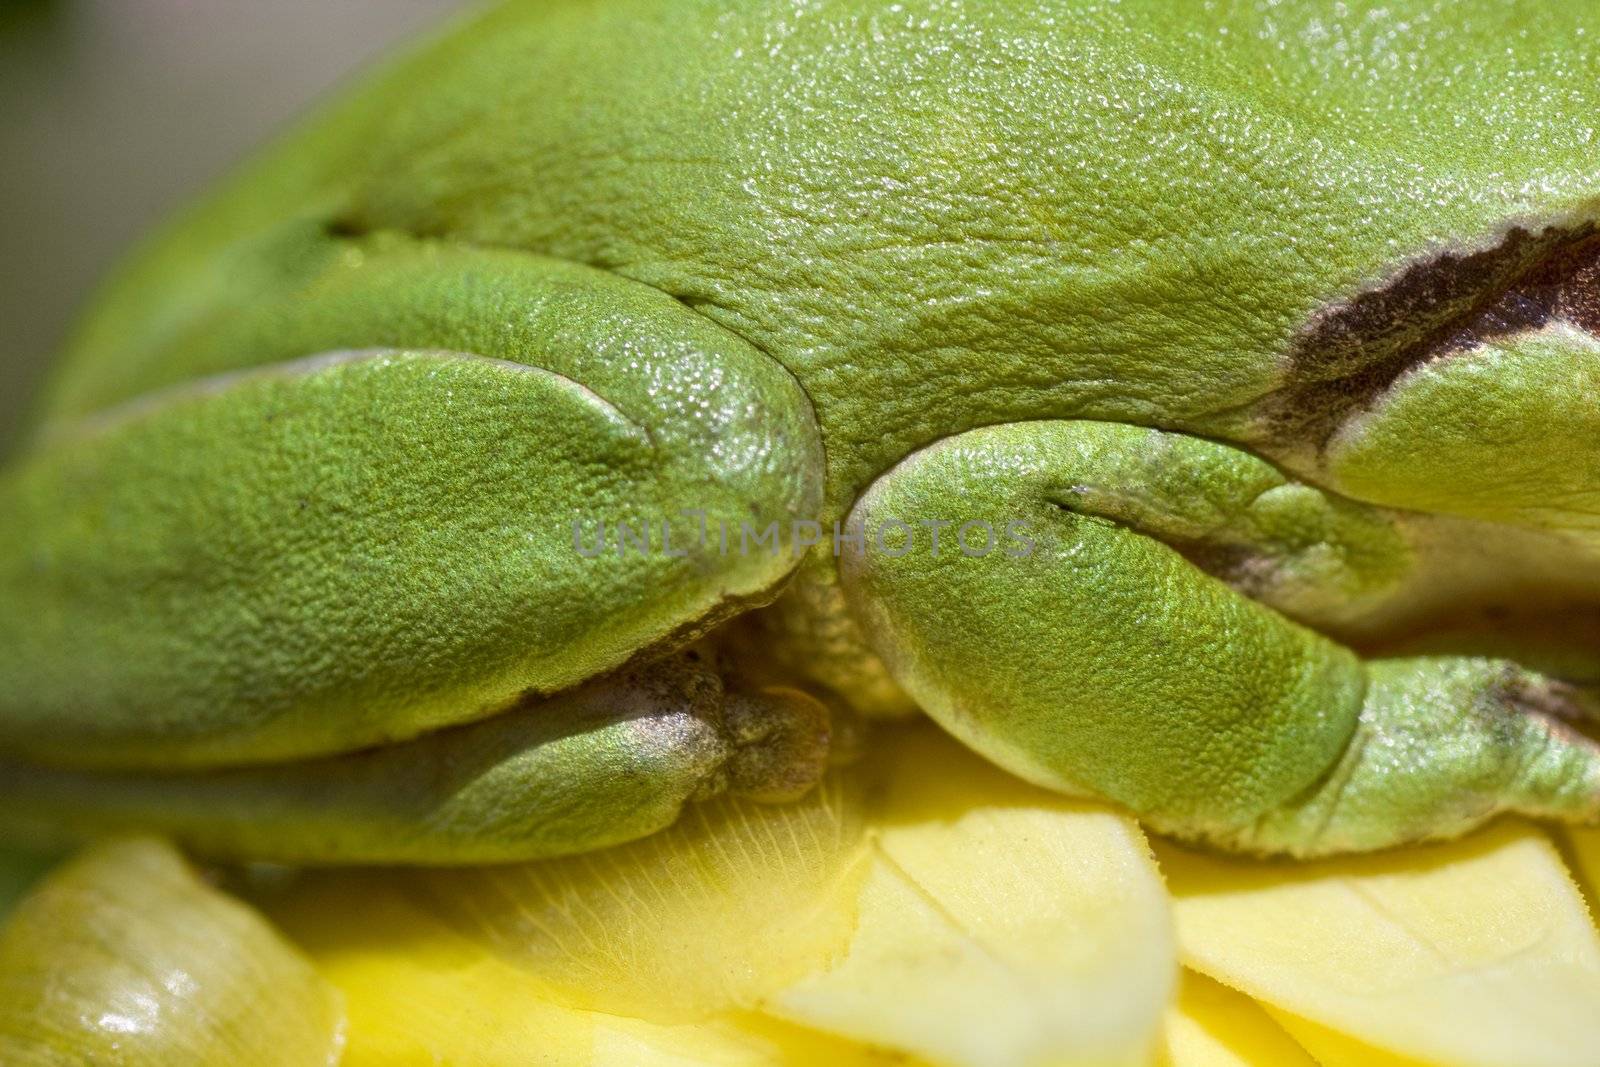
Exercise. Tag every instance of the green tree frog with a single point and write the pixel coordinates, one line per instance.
(1193, 406)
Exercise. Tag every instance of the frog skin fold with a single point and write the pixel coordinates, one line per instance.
(1263, 337)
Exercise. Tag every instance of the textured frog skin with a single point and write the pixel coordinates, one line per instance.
(781, 261)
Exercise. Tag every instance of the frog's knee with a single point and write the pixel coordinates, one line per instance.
(501, 485)
(1062, 628)
(1106, 654)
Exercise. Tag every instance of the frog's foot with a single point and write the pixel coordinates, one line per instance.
(504, 476)
(1081, 634)
(1441, 745)
(609, 761)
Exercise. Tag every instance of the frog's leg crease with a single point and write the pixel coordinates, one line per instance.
(462, 506)
(1096, 647)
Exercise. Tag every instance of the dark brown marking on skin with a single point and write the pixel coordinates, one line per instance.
(1248, 569)
(1352, 352)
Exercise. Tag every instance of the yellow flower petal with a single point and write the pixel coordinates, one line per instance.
(739, 1040)
(414, 992)
(735, 900)
(1476, 952)
(421, 995)
(1214, 1026)
(999, 925)
(124, 956)
(1335, 1049)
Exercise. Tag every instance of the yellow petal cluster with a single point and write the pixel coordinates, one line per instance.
(926, 909)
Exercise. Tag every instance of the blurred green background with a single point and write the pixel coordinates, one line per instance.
(112, 112)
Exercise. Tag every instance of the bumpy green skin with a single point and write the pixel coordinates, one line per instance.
(607, 762)
(1463, 437)
(1087, 654)
(753, 260)
(334, 552)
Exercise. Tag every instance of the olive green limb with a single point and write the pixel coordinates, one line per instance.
(608, 762)
(1087, 650)
(1443, 744)
(313, 555)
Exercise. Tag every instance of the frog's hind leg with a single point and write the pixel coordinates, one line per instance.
(491, 483)
(1441, 744)
(1091, 632)
(609, 761)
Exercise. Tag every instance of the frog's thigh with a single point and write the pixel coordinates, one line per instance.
(356, 547)
(1085, 649)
